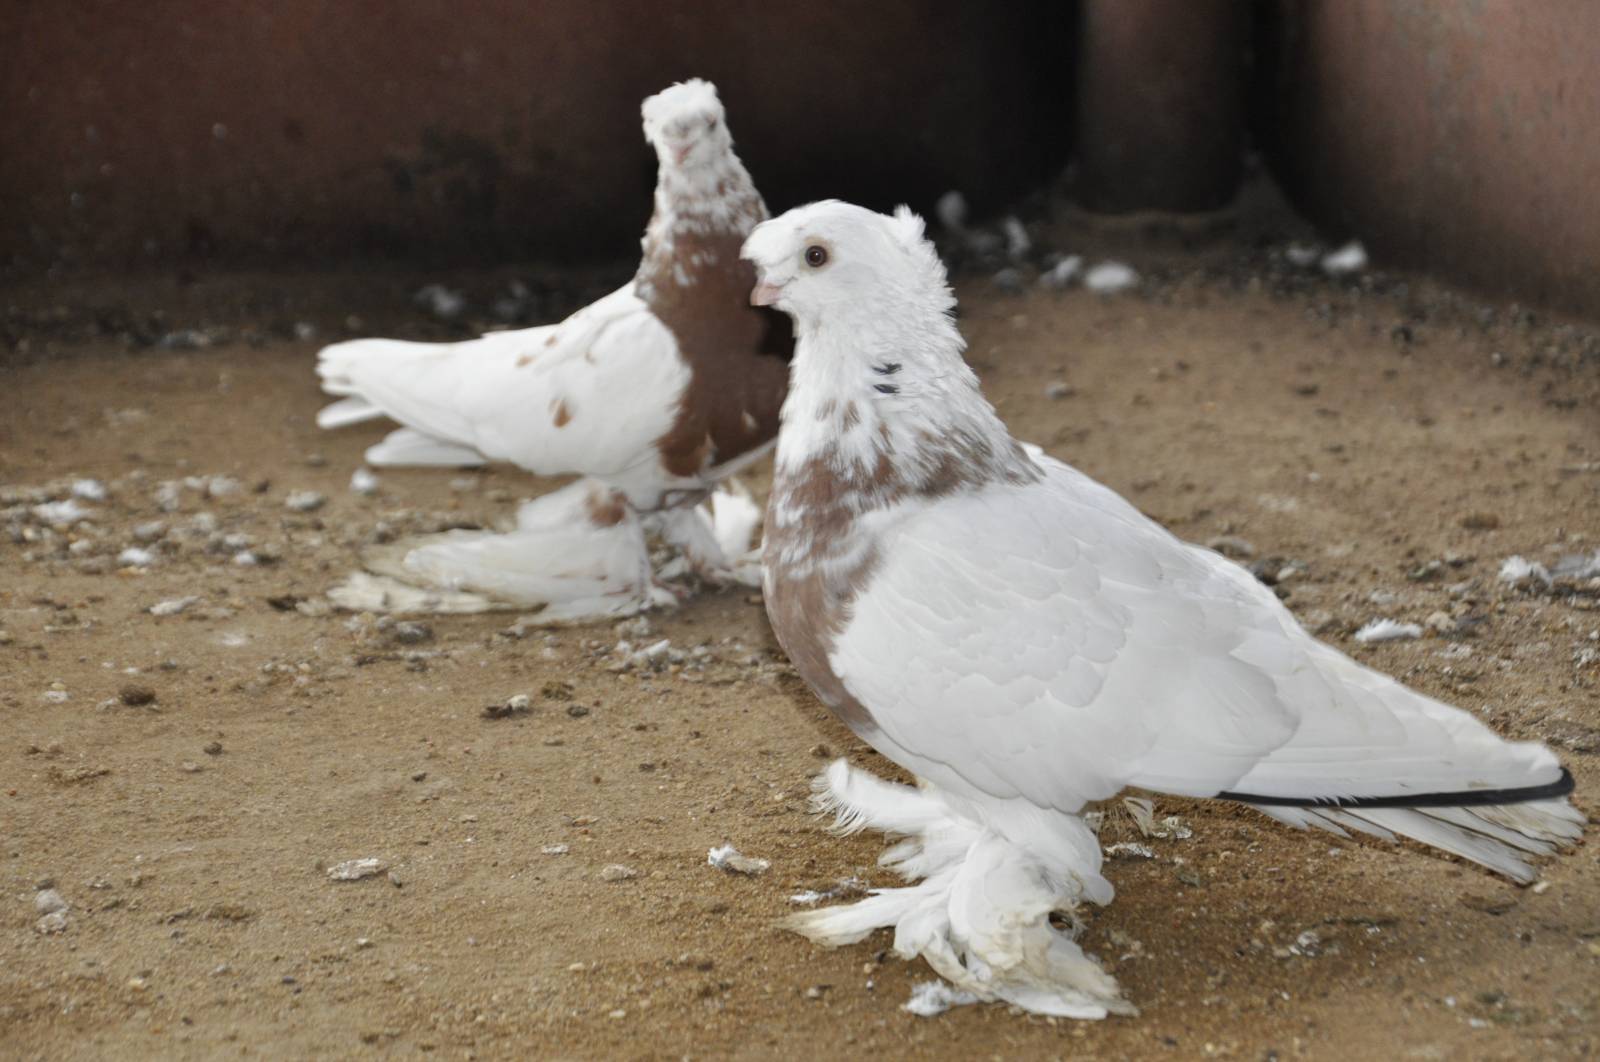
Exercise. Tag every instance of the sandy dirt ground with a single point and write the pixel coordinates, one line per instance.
(186, 781)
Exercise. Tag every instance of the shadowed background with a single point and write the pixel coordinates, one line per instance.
(1461, 136)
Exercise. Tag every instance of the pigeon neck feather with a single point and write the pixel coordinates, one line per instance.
(886, 403)
(697, 205)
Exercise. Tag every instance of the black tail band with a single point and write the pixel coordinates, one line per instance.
(1466, 798)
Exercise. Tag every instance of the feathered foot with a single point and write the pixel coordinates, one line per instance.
(714, 537)
(576, 555)
(980, 909)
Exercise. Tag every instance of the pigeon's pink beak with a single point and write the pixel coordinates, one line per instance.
(681, 154)
(765, 293)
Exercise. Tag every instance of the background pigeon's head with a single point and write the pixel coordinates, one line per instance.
(834, 257)
(684, 124)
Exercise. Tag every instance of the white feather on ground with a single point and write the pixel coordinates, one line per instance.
(1025, 642)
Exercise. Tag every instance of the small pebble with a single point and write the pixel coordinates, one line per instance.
(171, 606)
(136, 696)
(305, 501)
(362, 481)
(1110, 278)
(356, 869)
(1009, 281)
(617, 872)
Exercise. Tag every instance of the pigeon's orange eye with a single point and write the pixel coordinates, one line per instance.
(816, 256)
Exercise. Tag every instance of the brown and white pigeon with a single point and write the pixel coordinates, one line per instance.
(652, 394)
(1026, 642)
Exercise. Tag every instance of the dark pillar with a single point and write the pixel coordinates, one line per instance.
(1160, 123)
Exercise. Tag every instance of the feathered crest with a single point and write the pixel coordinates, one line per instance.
(908, 227)
(691, 97)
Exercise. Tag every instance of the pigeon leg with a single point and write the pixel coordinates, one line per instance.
(979, 909)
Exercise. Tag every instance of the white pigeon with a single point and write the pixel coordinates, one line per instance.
(1025, 642)
(653, 394)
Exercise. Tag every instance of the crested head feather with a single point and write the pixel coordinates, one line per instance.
(678, 102)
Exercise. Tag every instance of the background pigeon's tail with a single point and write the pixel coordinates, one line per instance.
(339, 366)
(417, 384)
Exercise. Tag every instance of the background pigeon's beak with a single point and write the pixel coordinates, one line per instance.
(765, 293)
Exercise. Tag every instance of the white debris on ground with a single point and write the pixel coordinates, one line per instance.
(727, 857)
(1308, 944)
(1387, 630)
(441, 301)
(555, 849)
(617, 872)
(845, 887)
(1351, 258)
(1519, 571)
(1129, 848)
(1063, 273)
(62, 513)
(305, 501)
(363, 481)
(932, 998)
(1110, 278)
(89, 490)
(1577, 566)
(1017, 242)
(172, 606)
(1143, 811)
(136, 557)
(1302, 255)
(951, 210)
(356, 869)
(53, 909)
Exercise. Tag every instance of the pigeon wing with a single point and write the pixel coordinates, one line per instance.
(1049, 641)
(589, 395)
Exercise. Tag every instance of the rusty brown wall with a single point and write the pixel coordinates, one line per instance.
(1461, 136)
(1160, 120)
(292, 129)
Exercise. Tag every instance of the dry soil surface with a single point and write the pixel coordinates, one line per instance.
(185, 782)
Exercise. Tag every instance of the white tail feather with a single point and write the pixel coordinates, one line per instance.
(1492, 836)
(347, 411)
(405, 447)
